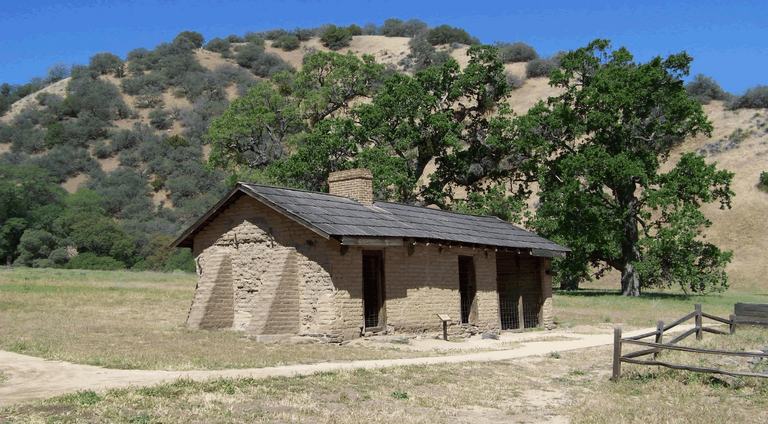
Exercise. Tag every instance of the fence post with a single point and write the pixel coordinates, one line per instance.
(616, 353)
(698, 321)
(659, 337)
(732, 326)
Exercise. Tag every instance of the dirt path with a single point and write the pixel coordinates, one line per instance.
(32, 378)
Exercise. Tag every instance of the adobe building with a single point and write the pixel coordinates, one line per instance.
(275, 261)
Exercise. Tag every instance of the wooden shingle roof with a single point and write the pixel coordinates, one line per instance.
(338, 217)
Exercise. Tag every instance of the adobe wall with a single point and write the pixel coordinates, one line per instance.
(278, 270)
(418, 286)
(261, 273)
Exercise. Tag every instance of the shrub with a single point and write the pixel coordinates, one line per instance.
(88, 260)
(99, 98)
(160, 119)
(234, 38)
(763, 181)
(147, 101)
(64, 161)
(188, 40)
(705, 89)
(254, 38)
(35, 244)
(287, 42)
(423, 54)
(260, 62)
(102, 150)
(59, 257)
(106, 63)
(274, 34)
(539, 67)
(57, 73)
(445, 34)
(754, 98)
(123, 190)
(397, 28)
(516, 52)
(513, 81)
(219, 45)
(335, 38)
(152, 83)
(304, 34)
(355, 30)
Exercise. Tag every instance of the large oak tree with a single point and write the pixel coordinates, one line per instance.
(600, 146)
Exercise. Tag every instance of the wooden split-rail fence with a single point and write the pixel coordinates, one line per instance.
(655, 347)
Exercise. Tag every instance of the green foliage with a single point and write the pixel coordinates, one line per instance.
(354, 30)
(35, 244)
(754, 98)
(189, 40)
(397, 28)
(446, 34)
(335, 37)
(516, 52)
(29, 198)
(540, 67)
(255, 128)
(304, 34)
(423, 54)
(252, 129)
(274, 34)
(410, 122)
(261, 63)
(159, 256)
(99, 98)
(513, 81)
(287, 42)
(219, 45)
(399, 394)
(90, 260)
(65, 161)
(705, 89)
(107, 63)
(254, 38)
(57, 72)
(599, 147)
(124, 193)
(160, 119)
(763, 181)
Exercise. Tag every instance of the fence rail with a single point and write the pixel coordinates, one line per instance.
(657, 346)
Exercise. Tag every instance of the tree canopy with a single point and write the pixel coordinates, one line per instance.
(600, 146)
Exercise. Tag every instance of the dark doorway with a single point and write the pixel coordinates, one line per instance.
(467, 289)
(373, 290)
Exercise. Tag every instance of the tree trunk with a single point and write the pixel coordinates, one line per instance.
(630, 280)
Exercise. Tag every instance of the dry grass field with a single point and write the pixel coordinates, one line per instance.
(567, 387)
(134, 320)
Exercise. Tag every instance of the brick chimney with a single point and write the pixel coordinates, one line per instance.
(356, 184)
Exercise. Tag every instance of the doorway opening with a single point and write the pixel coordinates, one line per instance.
(467, 289)
(373, 291)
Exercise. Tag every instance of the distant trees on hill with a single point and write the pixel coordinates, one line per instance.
(335, 37)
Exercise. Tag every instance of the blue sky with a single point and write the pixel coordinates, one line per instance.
(728, 39)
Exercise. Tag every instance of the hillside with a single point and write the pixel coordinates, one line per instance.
(158, 139)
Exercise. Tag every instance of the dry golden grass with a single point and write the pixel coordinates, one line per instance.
(134, 320)
(571, 386)
(653, 394)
